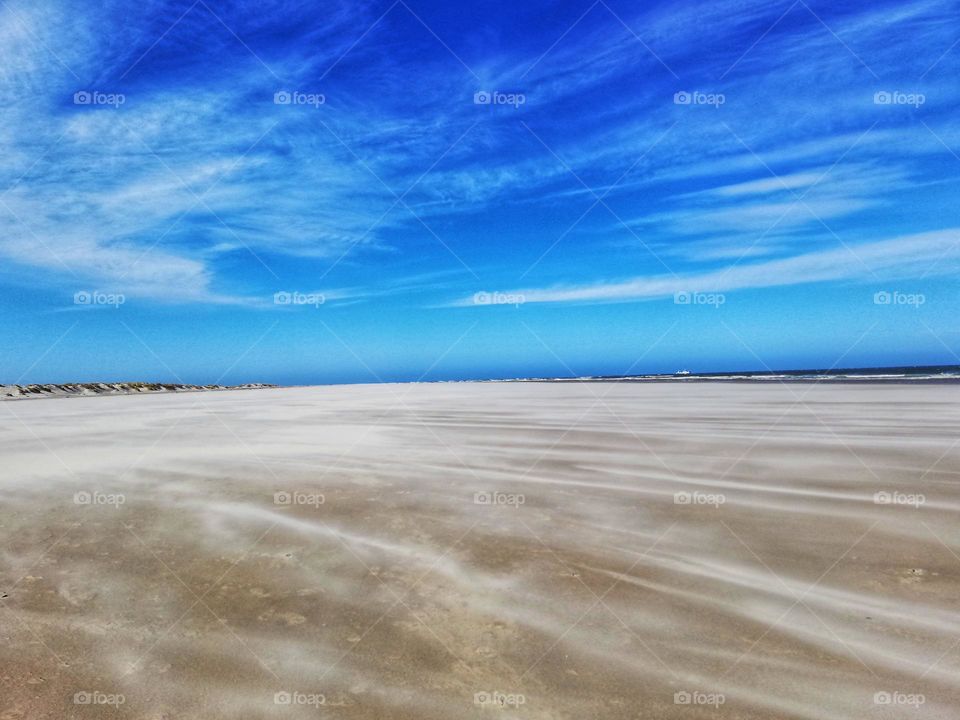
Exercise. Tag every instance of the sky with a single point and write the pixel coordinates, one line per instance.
(324, 192)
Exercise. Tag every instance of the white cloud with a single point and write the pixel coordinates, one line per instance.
(767, 185)
(908, 256)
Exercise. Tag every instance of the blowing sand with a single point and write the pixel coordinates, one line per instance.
(483, 550)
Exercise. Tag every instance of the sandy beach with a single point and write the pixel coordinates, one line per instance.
(509, 550)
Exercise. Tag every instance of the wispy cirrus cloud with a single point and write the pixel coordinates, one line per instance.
(896, 258)
(200, 175)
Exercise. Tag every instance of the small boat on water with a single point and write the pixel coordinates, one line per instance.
(682, 372)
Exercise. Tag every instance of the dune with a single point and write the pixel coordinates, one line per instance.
(514, 550)
(60, 390)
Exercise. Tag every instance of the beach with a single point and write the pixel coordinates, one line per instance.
(478, 550)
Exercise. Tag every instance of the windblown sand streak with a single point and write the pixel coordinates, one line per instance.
(422, 551)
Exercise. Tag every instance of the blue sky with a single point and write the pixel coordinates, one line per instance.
(716, 186)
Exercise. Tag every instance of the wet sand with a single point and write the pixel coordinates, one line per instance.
(531, 551)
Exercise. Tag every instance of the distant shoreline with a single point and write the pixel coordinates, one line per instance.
(761, 380)
(948, 374)
(925, 375)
